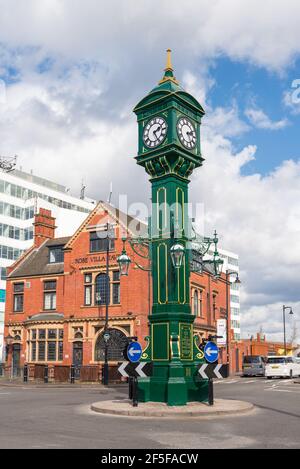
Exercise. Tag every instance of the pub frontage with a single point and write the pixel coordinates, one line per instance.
(57, 297)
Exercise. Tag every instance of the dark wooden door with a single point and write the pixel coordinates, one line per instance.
(16, 371)
(77, 358)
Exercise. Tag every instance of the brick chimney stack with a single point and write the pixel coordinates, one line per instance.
(44, 227)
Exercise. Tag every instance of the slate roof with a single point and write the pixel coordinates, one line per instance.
(37, 263)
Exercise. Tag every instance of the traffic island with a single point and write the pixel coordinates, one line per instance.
(221, 407)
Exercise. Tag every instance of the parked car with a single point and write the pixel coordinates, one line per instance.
(253, 365)
(282, 366)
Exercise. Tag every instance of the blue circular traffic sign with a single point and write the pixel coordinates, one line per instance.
(211, 352)
(134, 352)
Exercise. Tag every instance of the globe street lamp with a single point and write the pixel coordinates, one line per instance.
(124, 262)
(284, 308)
(177, 252)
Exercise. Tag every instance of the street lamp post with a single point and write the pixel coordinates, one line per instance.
(284, 308)
(106, 334)
(8, 341)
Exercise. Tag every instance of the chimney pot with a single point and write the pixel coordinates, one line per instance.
(44, 226)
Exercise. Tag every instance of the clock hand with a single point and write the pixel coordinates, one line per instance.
(155, 131)
(190, 134)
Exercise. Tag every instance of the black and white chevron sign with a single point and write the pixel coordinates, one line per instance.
(213, 371)
(135, 370)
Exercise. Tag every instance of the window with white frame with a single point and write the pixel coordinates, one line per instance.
(50, 295)
(46, 345)
(197, 297)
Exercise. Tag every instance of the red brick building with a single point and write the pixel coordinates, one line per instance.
(55, 307)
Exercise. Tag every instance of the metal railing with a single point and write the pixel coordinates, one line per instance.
(58, 373)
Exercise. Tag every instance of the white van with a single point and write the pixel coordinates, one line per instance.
(282, 366)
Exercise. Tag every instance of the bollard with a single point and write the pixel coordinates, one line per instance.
(210, 392)
(72, 374)
(135, 401)
(46, 374)
(25, 374)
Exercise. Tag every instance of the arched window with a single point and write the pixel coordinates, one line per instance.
(116, 346)
(196, 303)
(102, 289)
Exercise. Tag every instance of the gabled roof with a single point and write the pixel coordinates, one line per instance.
(37, 261)
(115, 214)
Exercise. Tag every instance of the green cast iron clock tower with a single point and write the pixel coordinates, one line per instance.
(169, 150)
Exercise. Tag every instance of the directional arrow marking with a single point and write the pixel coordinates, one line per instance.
(139, 370)
(134, 352)
(202, 371)
(213, 371)
(210, 352)
(122, 371)
(216, 371)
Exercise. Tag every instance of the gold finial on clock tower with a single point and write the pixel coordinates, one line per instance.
(169, 61)
(168, 76)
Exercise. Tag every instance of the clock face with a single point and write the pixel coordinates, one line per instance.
(155, 132)
(187, 133)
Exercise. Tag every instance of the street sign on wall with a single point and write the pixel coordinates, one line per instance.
(221, 332)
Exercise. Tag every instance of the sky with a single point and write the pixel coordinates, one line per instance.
(71, 72)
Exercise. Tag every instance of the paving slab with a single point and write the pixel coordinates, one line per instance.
(221, 407)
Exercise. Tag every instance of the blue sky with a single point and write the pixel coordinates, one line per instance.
(248, 85)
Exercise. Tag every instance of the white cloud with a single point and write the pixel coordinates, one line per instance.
(226, 121)
(269, 318)
(291, 97)
(114, 31)
(259, 119)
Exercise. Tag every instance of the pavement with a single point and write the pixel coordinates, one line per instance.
(221, 407)
(62, 418)
(15, 383)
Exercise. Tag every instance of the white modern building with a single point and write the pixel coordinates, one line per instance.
(231, 263)
(21, 196)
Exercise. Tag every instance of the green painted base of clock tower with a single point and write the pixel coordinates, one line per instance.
(176, 358)
(170, 384)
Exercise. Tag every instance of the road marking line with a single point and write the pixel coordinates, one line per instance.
(282, 390)
(248, 382)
